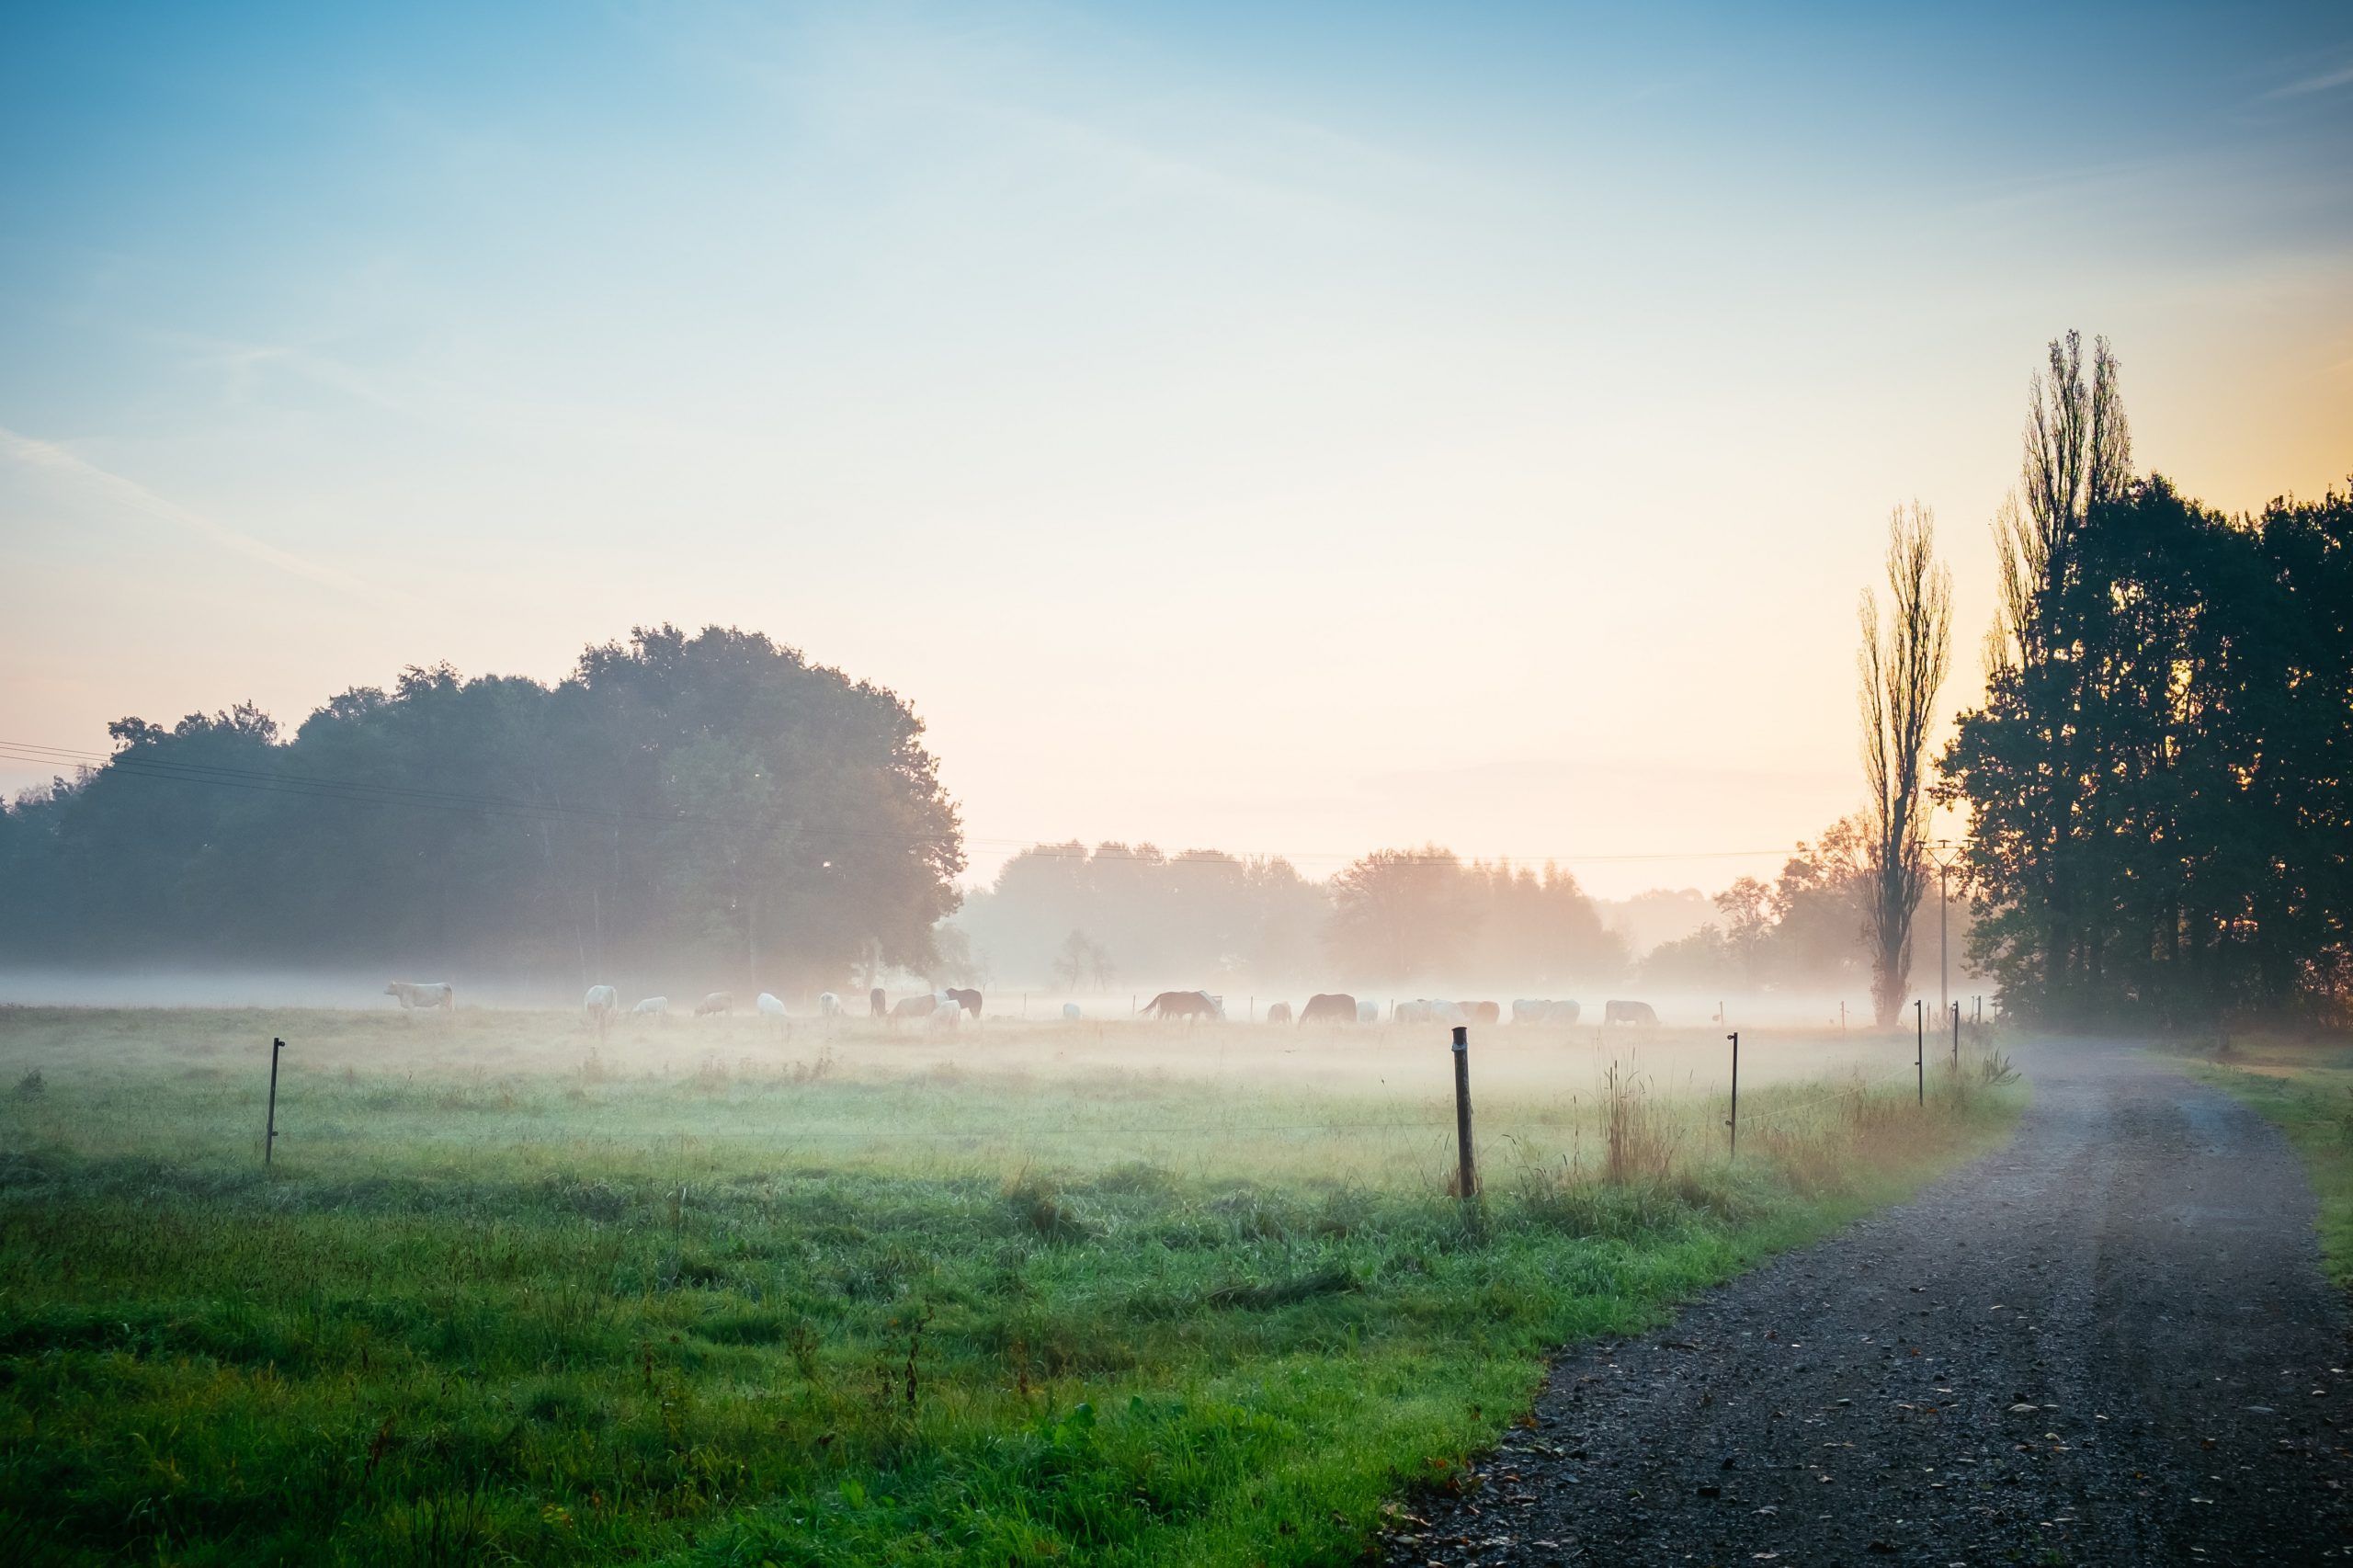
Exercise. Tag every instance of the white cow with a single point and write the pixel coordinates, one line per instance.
(828, 1004)
(653, 1007)
(1070, 1011)
(945, 1017)
(768, 1006)
(1368, 1012)
(1526, 1010)
(601, 1003)
(429, 994)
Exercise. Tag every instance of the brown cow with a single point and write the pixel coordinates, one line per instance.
(1329, 1007)
(719, 1002)
(1186, 1005)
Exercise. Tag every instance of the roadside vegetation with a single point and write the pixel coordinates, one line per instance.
(2305, 1086)
(801, 1300)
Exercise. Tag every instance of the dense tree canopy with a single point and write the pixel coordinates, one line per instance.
(713, 798)
(2161, 777)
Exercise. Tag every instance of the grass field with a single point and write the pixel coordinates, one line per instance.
(730, 1294)
(2305, 1086)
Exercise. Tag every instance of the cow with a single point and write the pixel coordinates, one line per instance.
(1628, 1013)
(1070, 1012)
(1368, 1012)
(1537, 1011)
(945, 1017)
(601, 1003)
(828, 1004)
(918, 1006)
(719, 1002)
(770, 1007)
(1278, 1012)
(1484, 1012)
(1186, 1005)
(876, 1006)
(1423, 1010)
(653, 1006)
(1331, 1008)
(415, 995)
(968, 1000)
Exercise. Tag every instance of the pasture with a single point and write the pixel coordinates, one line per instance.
(742, 1291)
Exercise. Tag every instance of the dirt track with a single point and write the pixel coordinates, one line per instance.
(2139, 1267)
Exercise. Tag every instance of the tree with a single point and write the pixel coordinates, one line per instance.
(1083, 964)
(1399, 914)
(711, 801)
(1903, 664)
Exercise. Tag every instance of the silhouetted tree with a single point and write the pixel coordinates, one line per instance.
(1903, 663)
(2161, 810)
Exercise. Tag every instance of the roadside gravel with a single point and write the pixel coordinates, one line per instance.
(2108, 1343)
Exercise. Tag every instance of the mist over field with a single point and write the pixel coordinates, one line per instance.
(1175, 787)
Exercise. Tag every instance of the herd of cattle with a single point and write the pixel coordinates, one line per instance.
(946, 1010)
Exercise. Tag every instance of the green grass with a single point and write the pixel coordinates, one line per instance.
(547, 1310)
(2307, 1090)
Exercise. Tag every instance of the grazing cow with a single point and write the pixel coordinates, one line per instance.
(828, 1004)
(1628, 1013)
(1542, 1012)
(876, 1006)
(770, 1007)
(1484, 1012)
(1070, 1011)
(1563, 1013)
(601, 1003)
(1368, 1012)
(653, 1007)
(943, 1016)
(719, 1002)
(1186, 1005)
(918, 1006)
(968, 1000)
(1331, 1007)
(431, 994)
(1278, 1012)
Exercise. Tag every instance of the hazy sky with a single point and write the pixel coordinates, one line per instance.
(1291, 428)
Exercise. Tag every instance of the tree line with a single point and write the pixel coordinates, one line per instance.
(1090, 918)
(713, 798)
(2160, 779)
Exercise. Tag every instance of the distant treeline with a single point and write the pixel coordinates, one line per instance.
(1092, 918)
(714, 797)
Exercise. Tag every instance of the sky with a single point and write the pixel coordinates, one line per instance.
(1279, 428)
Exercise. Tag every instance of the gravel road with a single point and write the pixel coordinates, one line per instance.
(2108, 1343)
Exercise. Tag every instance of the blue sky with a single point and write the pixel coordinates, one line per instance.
(1460, 426)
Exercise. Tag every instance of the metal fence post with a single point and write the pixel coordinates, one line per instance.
(1467, 1170)
(1920, 1046)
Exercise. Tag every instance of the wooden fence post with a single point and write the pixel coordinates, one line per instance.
(1734, 1121)
(1467, 1170)
(270, 1128)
